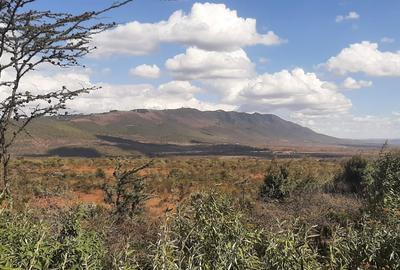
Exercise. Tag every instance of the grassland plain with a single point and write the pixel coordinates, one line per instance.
(202, 213)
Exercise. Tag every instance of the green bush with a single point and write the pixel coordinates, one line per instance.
(26, 243)
(383, 185)
(275, 182)
(351, 176)
(291, 248)
(210, 234)
(76, 247)
(127, 195)
(368, 245)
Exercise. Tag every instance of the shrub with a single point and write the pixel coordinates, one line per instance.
(209, 234)
(77, 248)
(291, 248)
(26, 243)
(275, 182)
(351, 177)
(383, 180)
(128, 194)
(368, 245)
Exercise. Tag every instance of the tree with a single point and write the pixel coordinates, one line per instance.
(30, 39)
(127, 194)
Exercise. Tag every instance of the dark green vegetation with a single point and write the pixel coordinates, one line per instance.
(204, 213)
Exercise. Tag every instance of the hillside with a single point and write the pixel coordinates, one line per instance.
(115, 130)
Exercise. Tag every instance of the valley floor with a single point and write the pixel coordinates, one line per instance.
(176, 192)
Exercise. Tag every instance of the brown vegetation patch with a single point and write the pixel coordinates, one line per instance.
(158, 206)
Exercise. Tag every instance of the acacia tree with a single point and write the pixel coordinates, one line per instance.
(30, 39)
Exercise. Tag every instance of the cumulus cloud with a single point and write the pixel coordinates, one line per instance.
(365, 57)
(350, 83)
(293, 90)
(232, 78)
(43, 82)
(309, 100)
(207, 26)
(181, 89)
(352, 15)
(201, 64)
(351, 126)
(146, 71)
(171, 95)
(174, 94)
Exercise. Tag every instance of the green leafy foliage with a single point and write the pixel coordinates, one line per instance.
(286, 178)
(367, 245)
(291, 247)
(77, 246)
(351, 177)
(26, 243)
(275, 182)
(209, 234)
(383, 180)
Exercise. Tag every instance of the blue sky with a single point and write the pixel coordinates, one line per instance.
(333, 66)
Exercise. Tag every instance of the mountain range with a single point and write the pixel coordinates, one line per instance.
(142, 130)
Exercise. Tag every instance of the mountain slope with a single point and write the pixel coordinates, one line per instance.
(178, 126)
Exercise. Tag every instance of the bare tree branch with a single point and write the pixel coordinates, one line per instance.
(29, 39)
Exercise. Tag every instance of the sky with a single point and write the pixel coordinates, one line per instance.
(333, 66)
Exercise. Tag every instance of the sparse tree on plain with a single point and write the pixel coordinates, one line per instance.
(30, 39)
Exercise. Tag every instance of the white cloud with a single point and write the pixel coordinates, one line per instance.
(146, 71)
(232, 78)
(351, 126)
(207, 26)
(181, 89)
(174, 94)
(293, 90)
(307, 97)
(171, 95)
(350, 83)
(352, 15)
(201, 64)
(387, 40)
(367, 58)
(133, 38)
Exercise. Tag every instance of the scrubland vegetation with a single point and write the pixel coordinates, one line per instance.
(202, 213)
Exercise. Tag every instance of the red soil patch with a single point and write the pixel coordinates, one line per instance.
(51, 202)
(96, 197)
(157, 207)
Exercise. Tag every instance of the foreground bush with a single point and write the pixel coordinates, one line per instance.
(383, 185)
(367, 245)
(209, 234)
(291, 247)
(26, 243)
